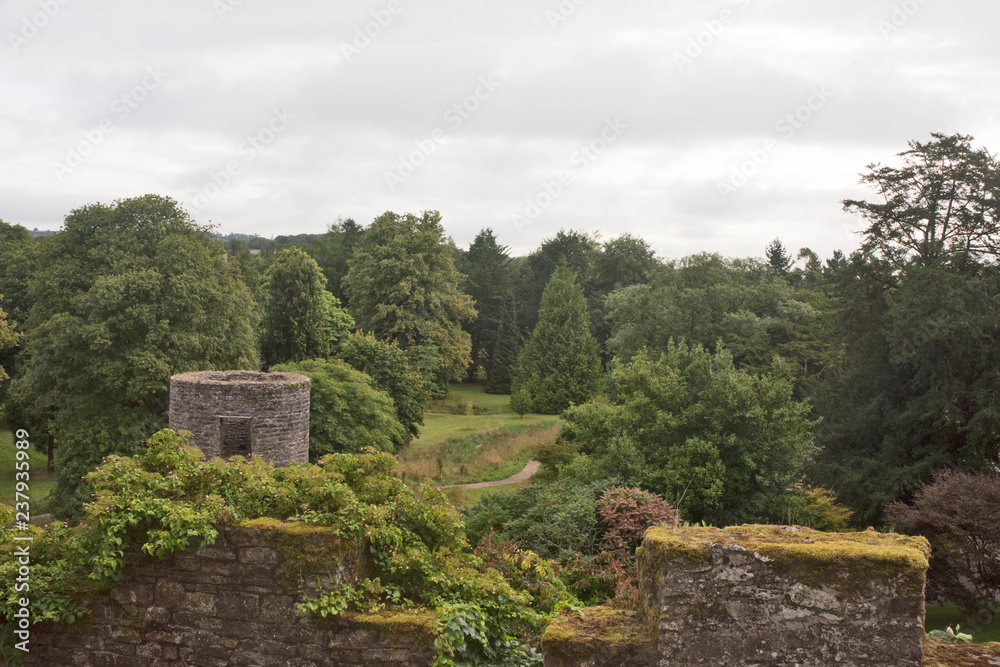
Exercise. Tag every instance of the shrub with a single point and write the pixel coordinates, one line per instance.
(817, 508)
(957, 513)
(627, 513)
(159, 500)
(520, 402)
(556, 520)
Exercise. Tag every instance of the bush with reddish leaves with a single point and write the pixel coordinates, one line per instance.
(958, 514)
(627, 513)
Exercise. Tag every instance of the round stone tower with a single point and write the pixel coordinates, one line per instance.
(238, 413)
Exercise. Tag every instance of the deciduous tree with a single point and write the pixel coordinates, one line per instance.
(347, 413)
(721, 444)
(126, 295)
(403, 285)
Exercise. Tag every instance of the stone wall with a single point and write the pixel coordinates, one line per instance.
(764, 595)
(240, 412)
(234, 603)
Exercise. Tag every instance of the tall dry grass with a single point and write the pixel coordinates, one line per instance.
(488, 456)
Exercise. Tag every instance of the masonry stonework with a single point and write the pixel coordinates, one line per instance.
(761, 595)
(241, 412)
(234, 603)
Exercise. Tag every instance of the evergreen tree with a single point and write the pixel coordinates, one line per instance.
(301, 319)
(503, 359)
(560, 364)
(487, 265)
(778, 257)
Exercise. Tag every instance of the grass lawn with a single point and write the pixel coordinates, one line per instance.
(939, 618)
(491, 444)
(40, 483)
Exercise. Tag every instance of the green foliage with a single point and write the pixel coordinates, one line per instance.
(556, 520)
(503, 356)
(704, 299)
(912, 391)
(347, 413)
(559, 364)
(8, 337)
(520, 402)
(301, 319)
(954, 635)
(168, 498)
(576, 250)
(944, 201)
(817, 508)
(126, 295)
(403, 286)
(387, 366)
(489, 278)
(721, 444)
(333, 252)
(778, 258)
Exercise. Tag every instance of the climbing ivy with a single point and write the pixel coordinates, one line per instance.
(168, 498)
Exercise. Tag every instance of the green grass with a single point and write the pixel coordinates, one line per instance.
(489, 445)
(40, 483)
(460, 394)
(939, 618)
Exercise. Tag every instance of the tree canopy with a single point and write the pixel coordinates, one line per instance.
(347, 412)
(721, 444)
(125, 296)
(301, 319)
(943, 200)
(559, 364)
(403, 285)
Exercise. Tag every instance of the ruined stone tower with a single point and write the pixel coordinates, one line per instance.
(232, 413)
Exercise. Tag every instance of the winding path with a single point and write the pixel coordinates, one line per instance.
(528, 471)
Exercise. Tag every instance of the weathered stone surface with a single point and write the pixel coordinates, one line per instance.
(161, 614)
(771, 595)
(243, 412)
(756, 596)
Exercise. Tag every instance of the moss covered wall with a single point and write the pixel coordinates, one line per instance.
(233, 603)
(761, 595)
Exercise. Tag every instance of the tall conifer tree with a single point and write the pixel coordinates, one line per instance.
(503, 359)
(560, 364)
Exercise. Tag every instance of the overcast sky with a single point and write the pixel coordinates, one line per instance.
(698, 125)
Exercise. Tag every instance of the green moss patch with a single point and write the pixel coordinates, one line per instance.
(950, 653)
(846, 562)
(599, 632)
(388, 626)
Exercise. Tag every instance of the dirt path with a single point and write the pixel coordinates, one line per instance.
(528, 471)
